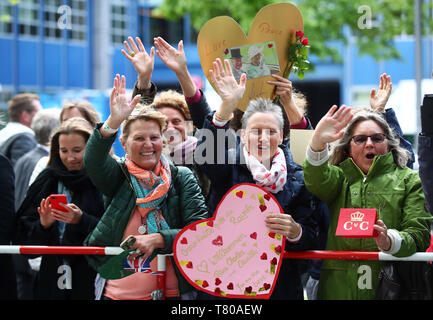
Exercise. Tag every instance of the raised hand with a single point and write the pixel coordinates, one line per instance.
(174, 59)
(225, 83)
(120, 107)
(378, 99)
(142, 61)
(227, 87)
(331, 127)
(284, 89)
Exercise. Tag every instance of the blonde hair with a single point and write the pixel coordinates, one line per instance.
(86, 109)
(172, 99)
(146, 113)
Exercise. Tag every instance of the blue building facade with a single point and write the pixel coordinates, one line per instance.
(71, 49)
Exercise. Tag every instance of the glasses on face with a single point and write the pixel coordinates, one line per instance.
(375, 138)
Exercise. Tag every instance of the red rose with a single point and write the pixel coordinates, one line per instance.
(299, 34)
(304, 41)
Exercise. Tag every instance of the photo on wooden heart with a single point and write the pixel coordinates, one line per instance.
(256, 60)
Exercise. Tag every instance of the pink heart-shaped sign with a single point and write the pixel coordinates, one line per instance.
(233, 254)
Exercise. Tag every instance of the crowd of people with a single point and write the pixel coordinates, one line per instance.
(357, 158)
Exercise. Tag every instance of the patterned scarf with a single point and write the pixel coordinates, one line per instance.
(272, 180)
(182, 151)
(151, 188)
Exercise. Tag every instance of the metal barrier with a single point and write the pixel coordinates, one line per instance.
(312, 254)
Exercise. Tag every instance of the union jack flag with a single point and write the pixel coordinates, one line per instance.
(138, 265)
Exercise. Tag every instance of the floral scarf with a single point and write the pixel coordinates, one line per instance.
(272, 180)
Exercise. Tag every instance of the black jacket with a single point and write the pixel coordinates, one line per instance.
(8, 288)
(295, 200)
(54, 268)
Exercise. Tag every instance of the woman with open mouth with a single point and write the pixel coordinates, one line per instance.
(366, 169)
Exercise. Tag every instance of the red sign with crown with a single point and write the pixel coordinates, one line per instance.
(356, 223)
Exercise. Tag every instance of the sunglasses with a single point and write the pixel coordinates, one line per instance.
(375, 138)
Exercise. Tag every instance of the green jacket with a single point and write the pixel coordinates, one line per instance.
(399, 199)
(184, 203)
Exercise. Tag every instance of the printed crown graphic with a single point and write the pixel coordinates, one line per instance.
(356, 216)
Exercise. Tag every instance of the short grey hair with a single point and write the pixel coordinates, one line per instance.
(44, 123)
(340, 151)
(264, 106)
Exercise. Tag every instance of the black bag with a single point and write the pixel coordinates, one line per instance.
(405, 280)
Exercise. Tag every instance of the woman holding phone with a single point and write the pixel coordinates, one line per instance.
(39, 223)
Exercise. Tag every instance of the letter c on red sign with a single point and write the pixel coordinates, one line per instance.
(346, 225)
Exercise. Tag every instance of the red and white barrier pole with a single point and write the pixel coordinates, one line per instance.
(105, 251)
(313, 254)
(160, 278)
(356, 255)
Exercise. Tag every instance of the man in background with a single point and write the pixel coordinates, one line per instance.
(17, 138)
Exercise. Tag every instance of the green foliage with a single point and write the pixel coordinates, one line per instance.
(324, 21)
(298, 55)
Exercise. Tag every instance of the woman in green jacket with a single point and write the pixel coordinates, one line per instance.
(148, 198)
(367, 169)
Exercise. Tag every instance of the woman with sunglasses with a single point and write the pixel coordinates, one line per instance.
(366, 169)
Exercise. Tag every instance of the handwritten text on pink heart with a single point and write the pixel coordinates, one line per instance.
(232, 254)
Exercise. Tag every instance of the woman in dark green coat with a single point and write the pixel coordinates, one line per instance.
(148, 197)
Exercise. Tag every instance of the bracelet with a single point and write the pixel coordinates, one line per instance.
(141, 90)
(108, 129)
(221, 119)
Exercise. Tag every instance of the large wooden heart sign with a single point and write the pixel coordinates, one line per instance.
(269, 37)
(232, 254)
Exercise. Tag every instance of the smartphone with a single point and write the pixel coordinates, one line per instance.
(128, 242)
(56, 199)
(427, 115)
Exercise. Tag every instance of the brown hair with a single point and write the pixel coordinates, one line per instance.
(172, 99)
(340, 150)
(86, 109)
(21, 102)
(73, 125)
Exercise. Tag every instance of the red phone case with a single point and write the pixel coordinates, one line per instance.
(55, 199)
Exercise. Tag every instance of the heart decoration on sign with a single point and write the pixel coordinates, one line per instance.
(233, 254)
(274, 22)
